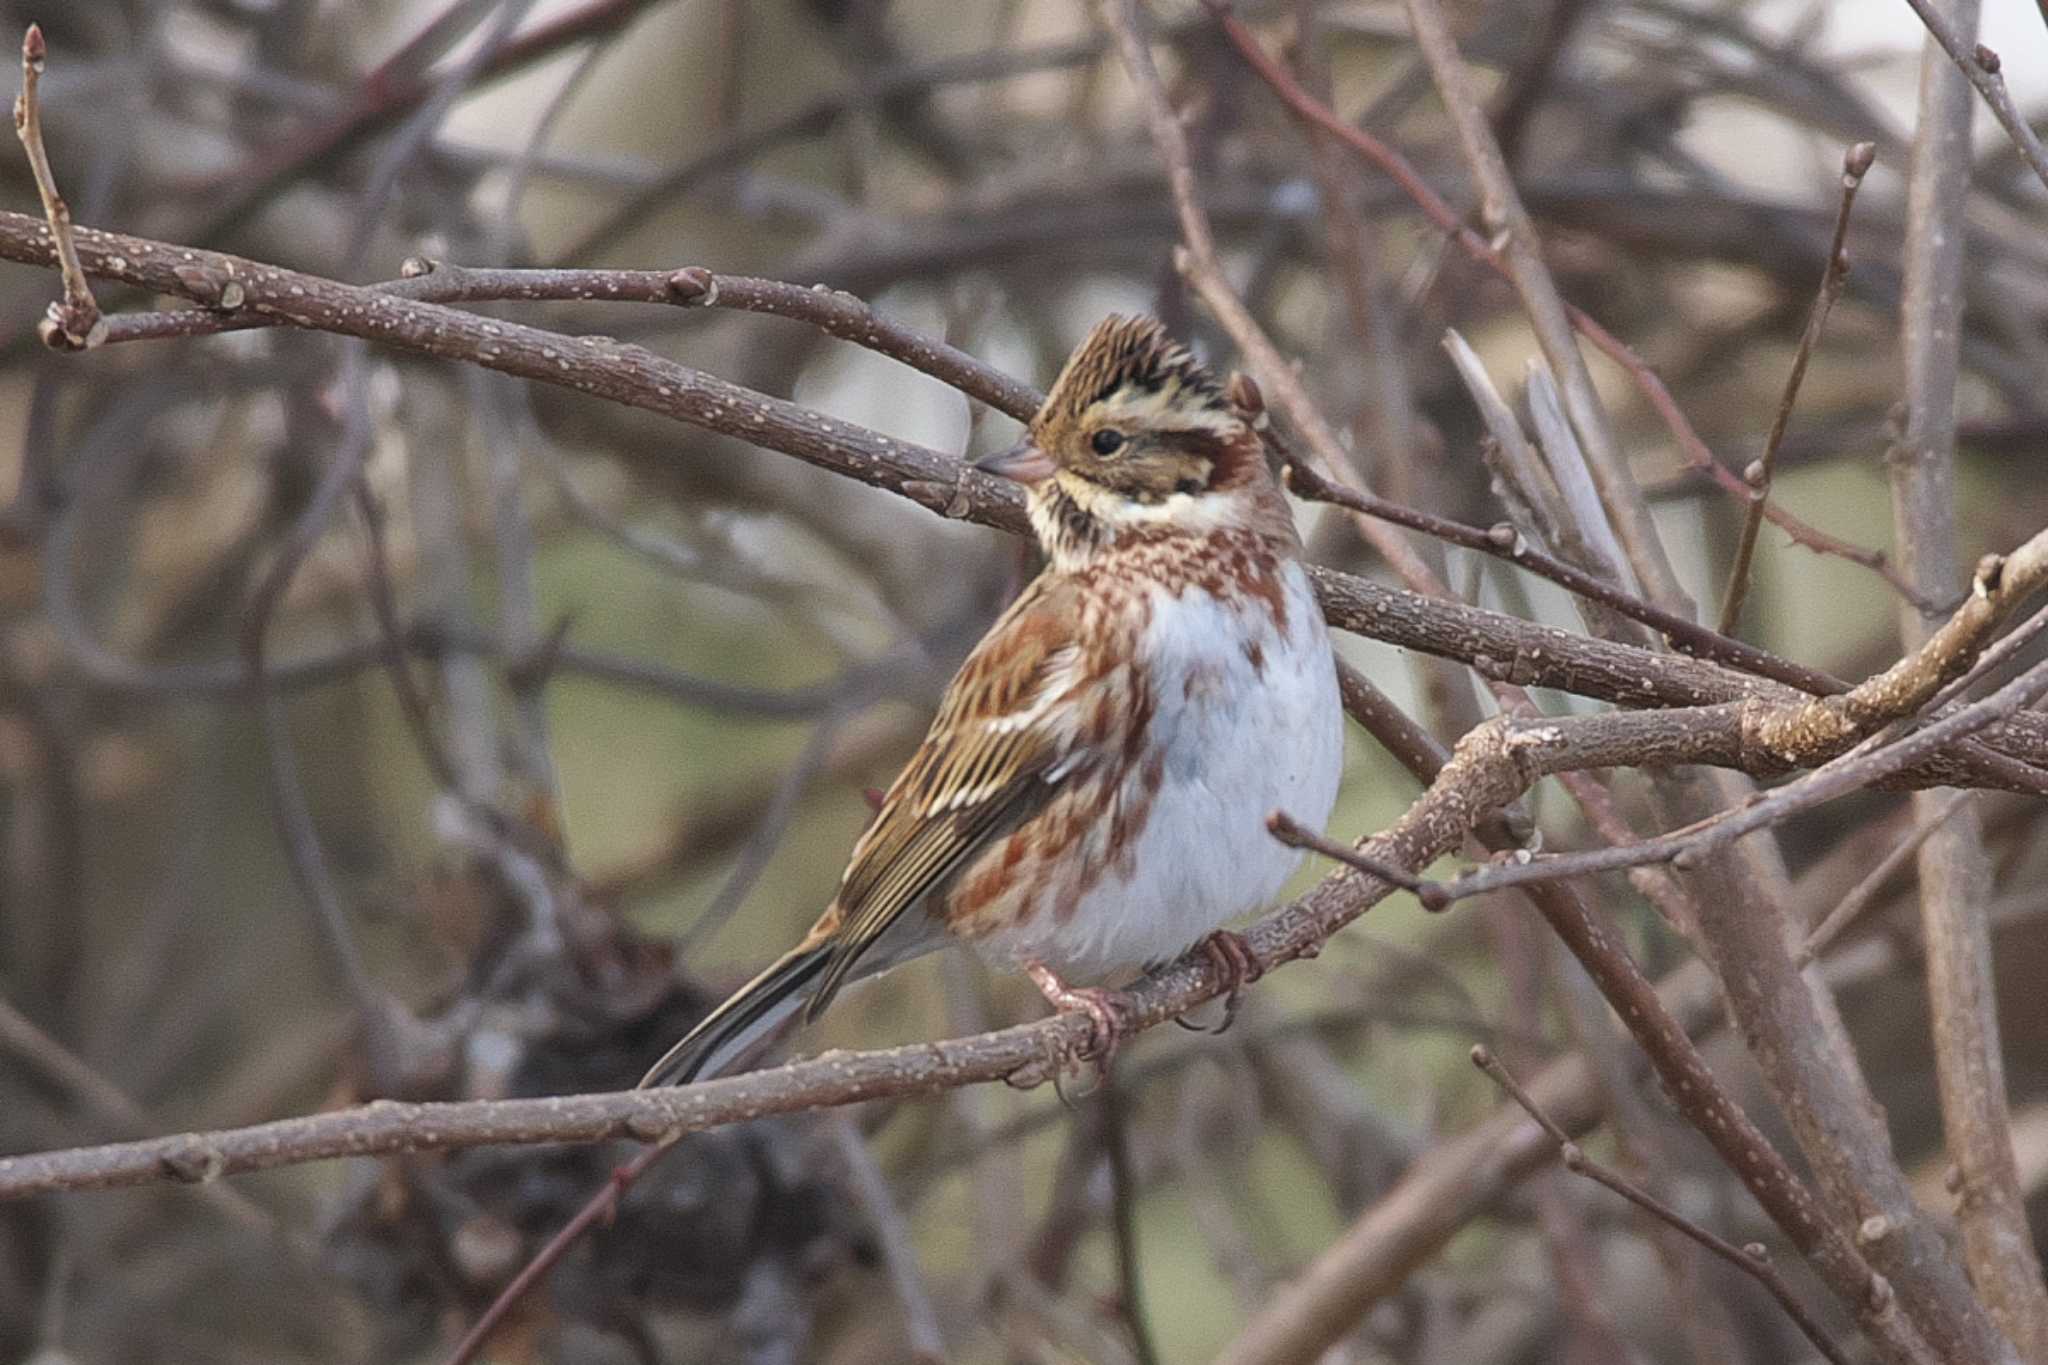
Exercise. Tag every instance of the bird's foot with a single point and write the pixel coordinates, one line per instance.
(1108, 1011)
(1236, 967)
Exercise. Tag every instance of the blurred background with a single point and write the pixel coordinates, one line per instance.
(571, 710)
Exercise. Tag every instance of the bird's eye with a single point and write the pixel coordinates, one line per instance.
(1107, 441)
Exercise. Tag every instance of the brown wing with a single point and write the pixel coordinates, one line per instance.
(984, 766)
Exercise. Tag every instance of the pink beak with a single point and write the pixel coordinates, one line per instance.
(1024, 462)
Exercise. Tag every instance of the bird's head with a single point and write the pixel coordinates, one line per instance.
(1137, 436)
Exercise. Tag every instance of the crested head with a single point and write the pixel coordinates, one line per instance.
(1128, 371)
(1140, 437)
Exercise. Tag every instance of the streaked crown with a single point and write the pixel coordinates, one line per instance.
(1128, 368)
(1135, 413)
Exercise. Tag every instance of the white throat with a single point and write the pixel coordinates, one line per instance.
(1077, 521)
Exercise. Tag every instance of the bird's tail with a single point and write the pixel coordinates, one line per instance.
(734, 1029)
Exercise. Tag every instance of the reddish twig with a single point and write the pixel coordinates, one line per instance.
(1694, 449)
(600, 1207)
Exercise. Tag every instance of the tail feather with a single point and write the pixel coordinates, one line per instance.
(755, 1011)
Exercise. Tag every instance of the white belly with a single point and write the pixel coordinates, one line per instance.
(1251, 723)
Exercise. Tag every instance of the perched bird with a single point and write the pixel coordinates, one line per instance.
(1092, 795)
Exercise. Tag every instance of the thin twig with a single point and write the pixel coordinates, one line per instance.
(73, 323)
(1843, 912)
(1506, 543)
(1855, 165)
(416, 709)
(757, 854)
(1497, 645)
(1520, 250)
(1123, 1222)
(1690, 444)
(1294, 834)
(832, 311)
(1984, 69)
(1853, 771)
(1198, 262)
(737, 147)
(1431, 827)
(1450, 1182)
(1492, 765)
(1750, 1259)
(598, 1208)
(1583, 529)
(289, 805)
(22, 1039)
(385, 95)
(892, 1233)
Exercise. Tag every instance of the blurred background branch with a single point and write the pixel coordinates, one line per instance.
(438, 690)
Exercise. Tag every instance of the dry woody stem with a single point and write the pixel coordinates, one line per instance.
(1717, 702)
(1690, 444)
(1751, 1260)
(1955, 871)
(74, 322)
(1985, 71)
(1856, 164)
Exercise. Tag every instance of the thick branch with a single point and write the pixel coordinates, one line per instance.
(1497, 645)
(1955, 868)
(1433, 826)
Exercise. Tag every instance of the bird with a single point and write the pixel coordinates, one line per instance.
(1093, 792)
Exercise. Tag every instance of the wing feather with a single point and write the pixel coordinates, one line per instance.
(992, 757)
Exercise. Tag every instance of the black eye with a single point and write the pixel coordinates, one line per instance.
(1107, 441)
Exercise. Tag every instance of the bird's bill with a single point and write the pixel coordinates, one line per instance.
(1024, 462)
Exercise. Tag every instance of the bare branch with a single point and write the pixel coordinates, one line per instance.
(1843, 912)
(165, 497)
(1492, 766)
(636, 377)
(1506, 543)
(1520, 249)
(1855, 165)
(1857, 769)
(1984, 69)
(1294, 834)
(1750, 1260)
(1955, 868)
(74, 322)
(1022, 1054)
(1694, 449)
(1448, 1184)
(833, 311)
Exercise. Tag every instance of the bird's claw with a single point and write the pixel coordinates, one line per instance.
(1236, 967)
(1108, 1011)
